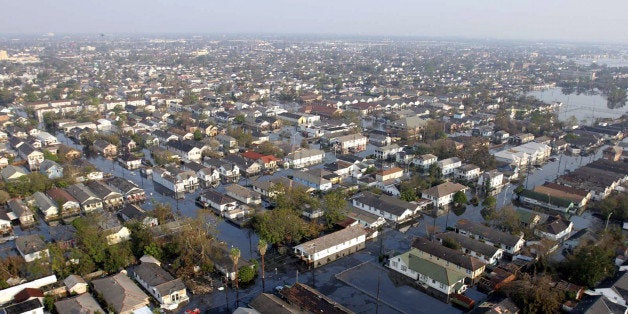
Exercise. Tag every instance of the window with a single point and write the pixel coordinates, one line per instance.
(403, 268)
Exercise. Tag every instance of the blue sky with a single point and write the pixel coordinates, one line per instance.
(567, 20)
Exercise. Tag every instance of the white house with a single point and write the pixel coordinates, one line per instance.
(488, 254)
(443, 194)
(304, 158)
(31, 247)
(427, 273)
(330, 247)
(449, 165)
(311, 179)
(243, 194)
(425, 161)
(468, 172)
(388, 207)
(506, 241)
(218, 201)
(556, 228)
(166, 289)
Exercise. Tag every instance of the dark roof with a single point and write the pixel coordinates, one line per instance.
(28, 293)
(266, 303)
(385, 203)
(469, 243)
(310, 300)
(598, 304)
(546, 198)
(62, 233)
(217, 197)
(555, 225)
(23, 307)
(453, 256)
(157, 277)
(491, 234)
(123, 185)
(30, 243)
(131, 211)
(101, 190)
(81, 192)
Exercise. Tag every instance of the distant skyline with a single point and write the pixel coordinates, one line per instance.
(542, 20)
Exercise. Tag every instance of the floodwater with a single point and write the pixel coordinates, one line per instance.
(583, 107)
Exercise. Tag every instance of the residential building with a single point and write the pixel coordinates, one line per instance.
(509, 243)
(243, 194)
(31, 306)
(110, 198)
(51, 169)
(449, 165)
(218, 201)
(488, 254)
(388, 151)
(443, 194)
(491, 182)
(168, 291)
(314, 178)
(308, 299)
(304, 158)
(330, 247)
(83, 303)
(75, 284)
(129, 190)
(579, 197)
(533, 198)
(85, 197)
(114, 231)
(132, 212)
(467, 172)
(105, 148)
(23, 213)
(121, 293)
(428, 273)
(66, 202)
(46, 206)
(454, 260)
(556, 228)
(387, 207)
(351, 143)
(31, 247)
(425, 161)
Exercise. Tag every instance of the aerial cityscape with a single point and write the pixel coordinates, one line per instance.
(280, 169)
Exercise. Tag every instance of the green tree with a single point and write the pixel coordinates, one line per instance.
(198, 135)
(163, 212)
(460, 198)
(90, 238)
(154, 250)
(246, 274)
(489, 201)
(239, 119)
(534, 295)
(588, 265)
(451, 243)
(334, 205)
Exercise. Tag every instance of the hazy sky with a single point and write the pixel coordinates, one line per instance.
(573, 20)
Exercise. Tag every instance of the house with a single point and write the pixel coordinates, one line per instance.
(454, 260)
(228, 171)
(443, 194)
(132, 212)
(268, 162)
(224, 264)
(266, 303)
(31, 247)
(467, 172)
(110, 198)
(129, 190)
(309, 300)
(66, 202)
(85, 197)
(168, 291)
(243, 194)
(387, 207)
(32, 306)
(556, 228)
(105, 148)
(110, 225)
(208, 176)
(168, 183)
(593, 304)
(388, 151)
(351, 143)
(75, 284)
(120, 293)
(313, 178)
(579, 197)
(449, 165)
(46, 205)
(23, 213)
(533, 198)
(83, 303)
(247, 167)
(364, 218)
(330, 247)
(226, 141)
(427, 273)
(130, 161)
(304, 158)
(51, 169)
(488, 254)
(187, 150)
(31, 155)
(614, 289)
(218, 201)
(63, 235)
(5, 223)
(12, 172)
(506, 241)
(491, 182)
